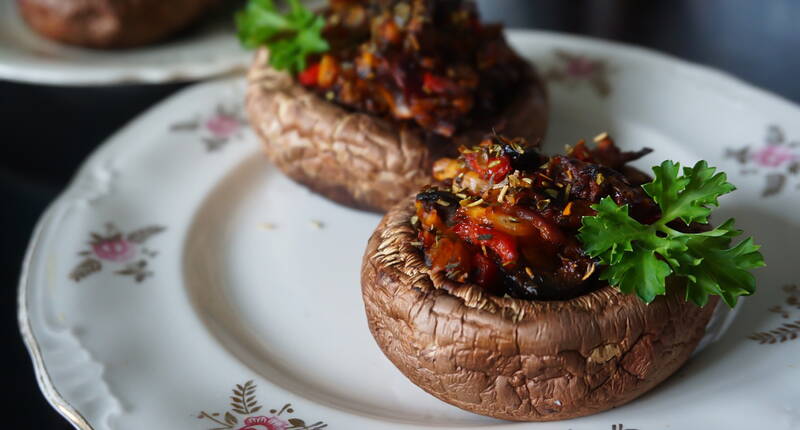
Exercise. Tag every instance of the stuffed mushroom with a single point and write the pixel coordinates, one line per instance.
(360, 114)
(497, 292)
(111, 24)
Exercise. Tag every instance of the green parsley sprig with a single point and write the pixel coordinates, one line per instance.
(290, 37)
(639, 257)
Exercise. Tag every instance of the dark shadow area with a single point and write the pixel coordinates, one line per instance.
(47, 133)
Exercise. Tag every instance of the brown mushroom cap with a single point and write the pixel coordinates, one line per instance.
(356, 159)
(111, 24)
(515, 359)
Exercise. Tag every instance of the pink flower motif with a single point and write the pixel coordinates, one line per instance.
(264, 423)
(581, 67)
(222, 125)
(773, 156)
(114, 249)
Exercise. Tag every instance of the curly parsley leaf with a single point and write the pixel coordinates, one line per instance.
(709, 264)
(688, 196)
(598, 242)
(640, 257)
(641, 272)
(290, 37)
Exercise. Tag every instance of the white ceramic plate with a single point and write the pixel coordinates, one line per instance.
(209, 49)
(181, 282)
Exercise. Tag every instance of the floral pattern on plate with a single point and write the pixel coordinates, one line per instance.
(222, 126)
(115, 248)
(575, 69)
(789, 310)
(777, 159)
(246, 406)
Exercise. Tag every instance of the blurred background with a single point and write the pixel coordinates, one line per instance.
(47, 131)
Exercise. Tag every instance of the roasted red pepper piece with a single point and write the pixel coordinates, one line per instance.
(492, 168)
(450, 255)
(327, 71)
(548, 231)
(435, 84)
(427, 238)
(503, 245)
(484, 270)
(389, 31)
(430, 222)
(581, 152)
(309, 76)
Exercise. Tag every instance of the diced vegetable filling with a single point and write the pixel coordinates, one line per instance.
(506, 217)
(427, 62)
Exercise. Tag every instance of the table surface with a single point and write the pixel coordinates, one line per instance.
(48, 131)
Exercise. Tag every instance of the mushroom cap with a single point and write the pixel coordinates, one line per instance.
(360, 160)
(517, 359)
(109, 24)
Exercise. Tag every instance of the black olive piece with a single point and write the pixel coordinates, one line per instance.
(445, 202)
(520, 285)
(529, 159)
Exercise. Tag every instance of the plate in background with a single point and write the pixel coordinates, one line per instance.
(207, 49)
